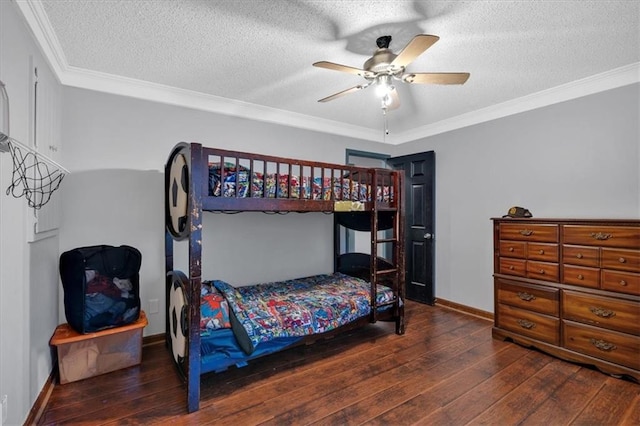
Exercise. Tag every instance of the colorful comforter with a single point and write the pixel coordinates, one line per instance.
(297, 307)
(239, 182)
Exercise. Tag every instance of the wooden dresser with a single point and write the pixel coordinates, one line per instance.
(571, 288)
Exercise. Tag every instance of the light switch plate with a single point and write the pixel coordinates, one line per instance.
(153, 306)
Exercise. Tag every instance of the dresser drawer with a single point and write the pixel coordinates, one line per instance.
(531, 324)
(512, 249)
(515, 267)
(622, 260)
(605, 236)
(542, 271)
(582, 276)
(529, 232)
(615, 314)
(622, 282)
(542, 251)
(581, 255)
(532, 297)
(609, 345)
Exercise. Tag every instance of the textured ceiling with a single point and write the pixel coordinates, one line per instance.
(258, 54)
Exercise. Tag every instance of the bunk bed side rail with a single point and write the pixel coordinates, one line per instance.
(240, 181)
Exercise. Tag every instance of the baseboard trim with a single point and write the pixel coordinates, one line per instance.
(41, 402)
(465, 309)
(154, 339)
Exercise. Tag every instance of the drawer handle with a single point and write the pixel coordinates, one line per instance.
(510, 248)
(602, 312)
(541, 251)
(541, 272)
(511, 267)
(601, 236)
(526, 324)
(526, 296)
(580, 277)
(526, 232)
(579, 255)
(603, 346)
(623, 283)
(622, 260)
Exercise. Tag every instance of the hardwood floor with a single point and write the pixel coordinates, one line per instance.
(446, 370)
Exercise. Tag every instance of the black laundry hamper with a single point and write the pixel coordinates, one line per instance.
(101, 286)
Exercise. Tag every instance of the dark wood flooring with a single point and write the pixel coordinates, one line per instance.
(446, 370)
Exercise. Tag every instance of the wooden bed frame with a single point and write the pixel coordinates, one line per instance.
(187, 196)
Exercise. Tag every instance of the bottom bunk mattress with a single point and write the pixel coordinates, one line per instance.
(242, 323)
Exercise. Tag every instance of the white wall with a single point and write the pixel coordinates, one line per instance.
(28, 271)
(116, 147)
(576, 159)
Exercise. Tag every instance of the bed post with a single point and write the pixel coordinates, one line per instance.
(399, 190)
(373, 252)
(198, 169)
(168, 251)
(168, 267)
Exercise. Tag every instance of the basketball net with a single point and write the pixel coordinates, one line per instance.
(32, 178)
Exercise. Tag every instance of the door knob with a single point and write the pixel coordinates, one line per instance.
(428, 236)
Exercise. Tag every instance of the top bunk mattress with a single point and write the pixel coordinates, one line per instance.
(239, 181)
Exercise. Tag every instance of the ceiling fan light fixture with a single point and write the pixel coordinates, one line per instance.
(386, 100)
(383, 86)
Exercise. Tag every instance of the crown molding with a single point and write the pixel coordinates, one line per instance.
(40, 26)
(608, 80)
(140, 89)
(37, 20)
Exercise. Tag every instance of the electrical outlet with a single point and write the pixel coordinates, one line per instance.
(153, 306)
(4, 409)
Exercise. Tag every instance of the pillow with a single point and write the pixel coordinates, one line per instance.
(214, 310)
(240, 324)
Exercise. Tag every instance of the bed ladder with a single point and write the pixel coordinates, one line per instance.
(380, 273)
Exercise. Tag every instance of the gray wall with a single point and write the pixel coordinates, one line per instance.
(28, 270)
(576, 159)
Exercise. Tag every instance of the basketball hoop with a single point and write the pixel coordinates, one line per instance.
(34, 176)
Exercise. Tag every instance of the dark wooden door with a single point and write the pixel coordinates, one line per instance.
(419, 223)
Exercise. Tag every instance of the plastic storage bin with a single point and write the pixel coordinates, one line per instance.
(81, 356)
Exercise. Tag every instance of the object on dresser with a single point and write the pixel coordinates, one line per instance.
(101, 286)
(518, 212)
(571, 288)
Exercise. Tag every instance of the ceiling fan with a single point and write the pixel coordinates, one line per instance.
(385, 66)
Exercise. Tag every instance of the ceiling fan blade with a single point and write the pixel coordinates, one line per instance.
(344, 92)
(344, 68)
(413, 49)
(394, 100)
(436, 77)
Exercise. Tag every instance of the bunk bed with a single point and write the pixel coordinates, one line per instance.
(212, 325)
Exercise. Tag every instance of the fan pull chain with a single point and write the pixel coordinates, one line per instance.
(385, 130)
